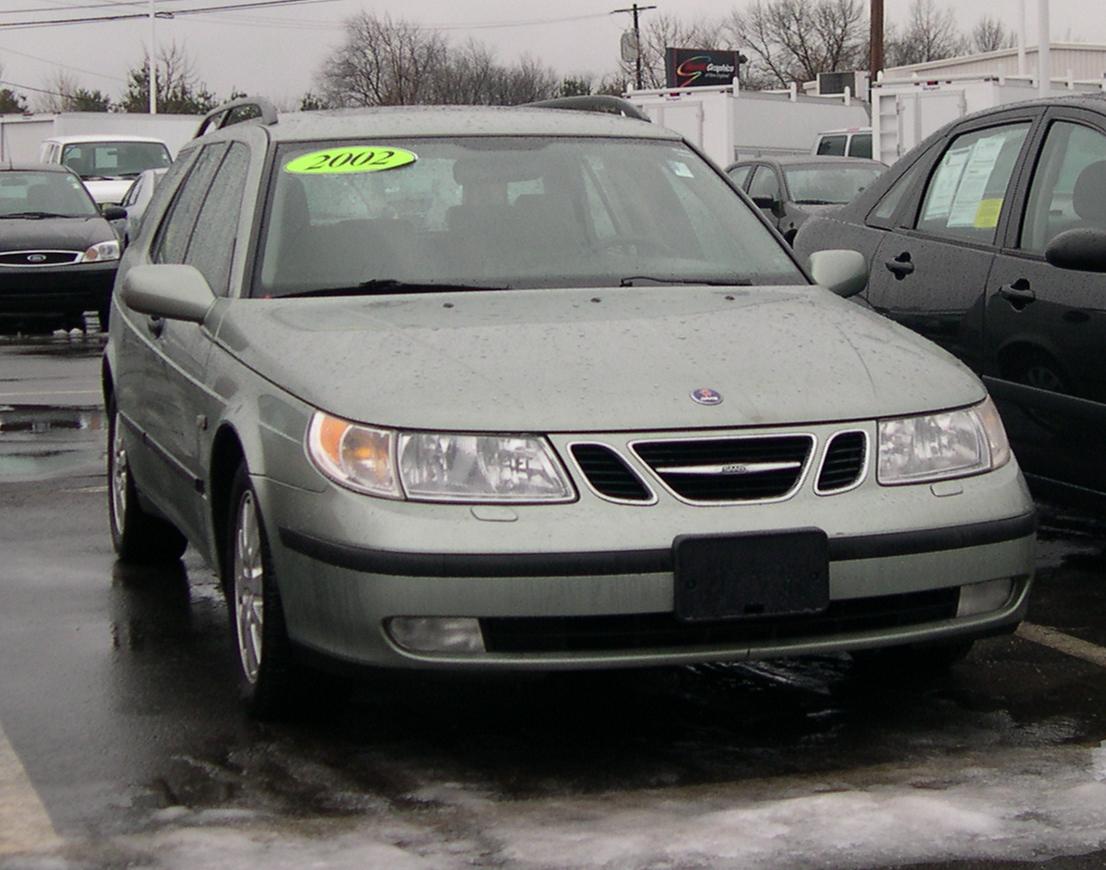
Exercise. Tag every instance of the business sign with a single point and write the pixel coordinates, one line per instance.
(697, 68)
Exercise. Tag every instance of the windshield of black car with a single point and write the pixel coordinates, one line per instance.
(829, 183)
(506, 212)
(92, 160)
(34, 193)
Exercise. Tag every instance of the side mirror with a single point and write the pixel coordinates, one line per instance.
(842, 272)
(1083, 250)
(767, 203)
(172, 291)
(113, 213)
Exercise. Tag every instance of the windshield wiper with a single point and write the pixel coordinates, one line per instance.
(632, 280)
(97, 178)
(35, 215)
(390, 285)
(816, 202)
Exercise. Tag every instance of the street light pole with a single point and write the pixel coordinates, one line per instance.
(875, 39)
(635, 9)
(152, 77)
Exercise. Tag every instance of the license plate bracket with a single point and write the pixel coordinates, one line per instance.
(751, 575)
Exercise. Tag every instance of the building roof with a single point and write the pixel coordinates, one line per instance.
(1001, 54)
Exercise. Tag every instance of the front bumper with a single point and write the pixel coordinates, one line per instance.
(591, 584)
(55, 290)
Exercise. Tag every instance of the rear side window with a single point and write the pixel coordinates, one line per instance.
(889, 203)
(861, 145)
(832, 146)
(211, 248)
(740, 175)
(966, 192)
(176, 228)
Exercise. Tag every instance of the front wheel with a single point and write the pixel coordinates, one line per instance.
(267, 675)
(137, 536)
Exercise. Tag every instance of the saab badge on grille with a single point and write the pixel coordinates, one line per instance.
(706, 396)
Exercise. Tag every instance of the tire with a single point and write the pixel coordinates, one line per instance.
(268, 678)
(138, 537)
(104, 312)
(916, 660)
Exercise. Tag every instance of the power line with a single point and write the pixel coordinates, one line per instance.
(59, 64)
(55, 22)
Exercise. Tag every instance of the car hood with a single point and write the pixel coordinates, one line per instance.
(593, 359)
(62, 234)
(110, 191)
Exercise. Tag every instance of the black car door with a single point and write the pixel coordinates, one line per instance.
(930, 271)
(1046, 326)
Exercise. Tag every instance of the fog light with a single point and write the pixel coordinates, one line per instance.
(983, 597)
(435, 634)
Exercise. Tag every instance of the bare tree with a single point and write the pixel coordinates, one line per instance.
(383, 62)
(179, 88)
(990, 34)
(930, 34)
(66, 95)
(794, 40)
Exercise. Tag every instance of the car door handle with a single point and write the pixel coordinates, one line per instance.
(156, 325)
(1019, 294)
(900, 266)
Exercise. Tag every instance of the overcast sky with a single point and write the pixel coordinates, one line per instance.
(277, 52)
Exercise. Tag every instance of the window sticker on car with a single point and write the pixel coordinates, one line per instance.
(354, 158)
(681, 169)
(986, 216)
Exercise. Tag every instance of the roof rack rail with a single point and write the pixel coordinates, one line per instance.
(236, 112)
(595, 103)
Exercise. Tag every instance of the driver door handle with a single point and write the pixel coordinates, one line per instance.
(1019, 294)
(900, 266)
(156, 325)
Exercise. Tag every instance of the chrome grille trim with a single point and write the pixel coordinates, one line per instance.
(804, 467)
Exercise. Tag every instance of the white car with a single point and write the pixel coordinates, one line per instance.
(107, 165)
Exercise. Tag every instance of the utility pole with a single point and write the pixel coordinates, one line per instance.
(152, 77)
(875, 39)
(635, 9)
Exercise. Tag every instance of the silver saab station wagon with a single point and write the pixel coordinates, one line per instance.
(535, 388)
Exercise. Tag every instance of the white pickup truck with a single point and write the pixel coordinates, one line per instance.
(107, 165)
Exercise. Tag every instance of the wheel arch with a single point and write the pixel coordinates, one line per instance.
(227, 453)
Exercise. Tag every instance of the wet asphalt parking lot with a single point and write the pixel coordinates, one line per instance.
(122, 744)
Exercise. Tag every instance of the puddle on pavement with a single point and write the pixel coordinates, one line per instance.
(47, 443)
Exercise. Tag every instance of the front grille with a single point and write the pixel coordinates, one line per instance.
(714, 470)
(567, 634)
(38, 258)
(844, 461)
(608, 473)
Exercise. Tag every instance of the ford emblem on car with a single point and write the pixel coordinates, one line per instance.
(36, 258)
(706, 396)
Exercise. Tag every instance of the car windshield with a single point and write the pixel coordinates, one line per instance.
(506, 213)
(40, 194)
(828, 183)
(91, 160)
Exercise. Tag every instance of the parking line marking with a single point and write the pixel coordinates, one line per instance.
(1065, 643)
(24, 823)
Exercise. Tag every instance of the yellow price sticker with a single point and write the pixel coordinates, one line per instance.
(353, 158)
(986, 216)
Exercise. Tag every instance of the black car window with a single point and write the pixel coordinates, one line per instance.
(211, 248)
(176, 228)
(1069, 185)
(861, 145)
(765, 184)
(966, 191)
(740, 175)
(832, 146)
(889, 203)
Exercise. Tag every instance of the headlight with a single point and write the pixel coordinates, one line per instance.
(448, 467)
(100, 252)
(436, 466)
(938, 446)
